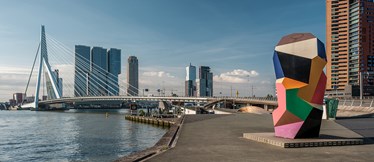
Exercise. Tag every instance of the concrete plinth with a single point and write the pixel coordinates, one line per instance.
(323, 140)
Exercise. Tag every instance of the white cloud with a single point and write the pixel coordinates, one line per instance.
(240, 72)
(156, 78)
(159, 74)
(14, 80)
(236, 76)
(14, 70)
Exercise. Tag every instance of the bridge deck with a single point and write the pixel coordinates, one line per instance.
(179, 99)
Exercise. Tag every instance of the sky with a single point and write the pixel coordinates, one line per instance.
(236, 38)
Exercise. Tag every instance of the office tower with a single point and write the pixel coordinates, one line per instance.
(97, 85)
(82, 70)
(205, 82)
(190, 83)
(210, 84)
(114, 69)
(132, 76)
(349, 46)
(96, 71)
(18, 98)
(58, 80)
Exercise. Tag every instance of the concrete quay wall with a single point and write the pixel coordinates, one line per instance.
(166, 142)
(356, 109)
(149, 120)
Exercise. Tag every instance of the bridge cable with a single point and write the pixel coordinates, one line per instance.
(62, 58)
(67, 49)
(32, 69)
(68, 84)
(97, 82)
(85, 63)
(96, 76)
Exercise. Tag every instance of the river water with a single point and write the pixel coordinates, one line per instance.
(74, 135)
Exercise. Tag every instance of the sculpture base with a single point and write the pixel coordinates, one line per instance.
(323, 140)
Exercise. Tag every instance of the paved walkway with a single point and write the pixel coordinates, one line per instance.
(219, 138)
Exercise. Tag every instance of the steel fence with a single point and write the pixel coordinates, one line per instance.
(356, 102)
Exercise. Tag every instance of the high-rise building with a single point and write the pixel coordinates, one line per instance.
(132, 76)
(205, 82)
(49, 87)
(190, 83)
(349, 46)
(82, 70)
(58, 81)
(114, 69)
(96, 71)
(97, 83)
(18, 98)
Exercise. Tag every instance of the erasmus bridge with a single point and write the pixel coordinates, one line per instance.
(58, 55)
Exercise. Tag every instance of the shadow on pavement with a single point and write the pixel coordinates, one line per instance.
(371, 115)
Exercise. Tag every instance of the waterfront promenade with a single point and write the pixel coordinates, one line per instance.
(219, 138)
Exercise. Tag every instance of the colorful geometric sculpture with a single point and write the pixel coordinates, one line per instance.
(299, 60)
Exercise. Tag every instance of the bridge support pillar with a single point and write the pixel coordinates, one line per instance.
(266, 107)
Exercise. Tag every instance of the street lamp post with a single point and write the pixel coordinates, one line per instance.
(249, 84)
(361, 86)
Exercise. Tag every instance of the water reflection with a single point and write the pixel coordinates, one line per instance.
(72, 136)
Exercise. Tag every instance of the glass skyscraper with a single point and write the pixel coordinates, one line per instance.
(114, 69)
(205, 82)
(82, 70)
(97, 83)
(190, 83)
(132, 76)
(96, 71)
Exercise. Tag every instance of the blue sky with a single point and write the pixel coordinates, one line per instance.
(235, 38)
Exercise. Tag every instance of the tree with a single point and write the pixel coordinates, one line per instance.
(141, 113)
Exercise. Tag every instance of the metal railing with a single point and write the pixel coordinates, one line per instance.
(368, 102)
(247, 98)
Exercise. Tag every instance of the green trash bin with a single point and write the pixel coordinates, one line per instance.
(331, 107)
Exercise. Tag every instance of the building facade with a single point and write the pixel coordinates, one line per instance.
(96, 71)
(190, 83)
(58, 82)
(205, 82)
(18, 98)
(132, 76)
(349, 46)
(114, 69)
(97, 82)
(82, 70)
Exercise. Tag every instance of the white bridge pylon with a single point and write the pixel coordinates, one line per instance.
(51, 78)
